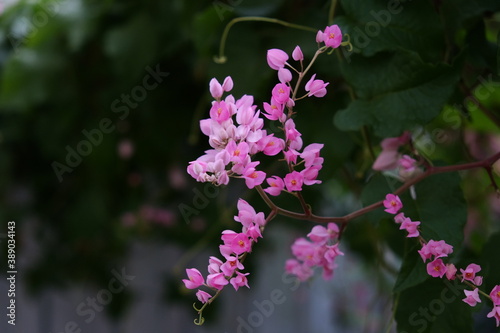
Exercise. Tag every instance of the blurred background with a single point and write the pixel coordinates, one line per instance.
(100, 103)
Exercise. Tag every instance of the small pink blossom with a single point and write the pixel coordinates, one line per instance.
(495, 295)
(320, 36)
(470, 272)
(203, 296)
(407, 163)
(274, 111)
(302, 271)
(271, 145)
(411, 227)
(217, 281)
(214, 264)
(246, 213)
(276, 58)
(472, 297)
(240, 280)
(386, 160)
(195, 278)
(495, 313)
(392, 203)
(310, 174)
(284, 75)
(241, 244)
(451, 270)
(400, 218)
(252, 176)
(310, 154)
(478, 280)
(231, 265)
(219, 112)
(294, 181)
(227, 85)
(281, 93)
(436, 268)
(276, 185)
(332, 36)
(434, 248)
(297, 54)
(291, 156)
(332, 251)
(215, 89)
(316, 88)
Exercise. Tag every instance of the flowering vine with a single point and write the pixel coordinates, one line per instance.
(236, 134)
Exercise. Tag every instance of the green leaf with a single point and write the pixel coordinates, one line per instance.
(412, 270)
(433, 306)
(442, 208)
(395, 92)
(376, 25)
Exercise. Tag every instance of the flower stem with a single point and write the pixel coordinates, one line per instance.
(221, 58)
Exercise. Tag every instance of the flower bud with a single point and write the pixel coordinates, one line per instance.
(276, 58)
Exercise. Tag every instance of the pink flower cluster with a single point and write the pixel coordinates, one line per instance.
(391, 159)
(234, 246)
(320, 251)
(434, 251)
(235, 133)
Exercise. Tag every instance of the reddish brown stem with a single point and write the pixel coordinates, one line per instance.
(309, 216)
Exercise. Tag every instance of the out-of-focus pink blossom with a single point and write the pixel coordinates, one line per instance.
(436, 268)
(472, 297)
(297, 54)
(294, 181)
(276, 185)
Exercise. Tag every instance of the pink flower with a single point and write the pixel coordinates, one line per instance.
(240, 280)
(274, 111)
(276, 58)
(310, 174)
(495, 295)
(294, 181)
(284, 75)
(291, 156)
(470, 272)
(332, 36)
(227, 85)
(231, 265)
(217, 281)
(319, 234)
(203, 296)
(316, 88)
(310, 154)
(195, 278)
(294, 267)
(281, 93)
(320, 36)
(411, 227)
(304, 250)
(451, 270)
(219, 112)
(246, 213)
(271, 145)
(252, 176)
(436, 268)
(276, 185)
(215, 88)
(386, 160)
(214, 264)
(434, 248)
(407, 163)
(241, 244)
(495, 313)
(297, 54)
(400, 218)
(392, 203)
(332, 251)
(472, 297)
